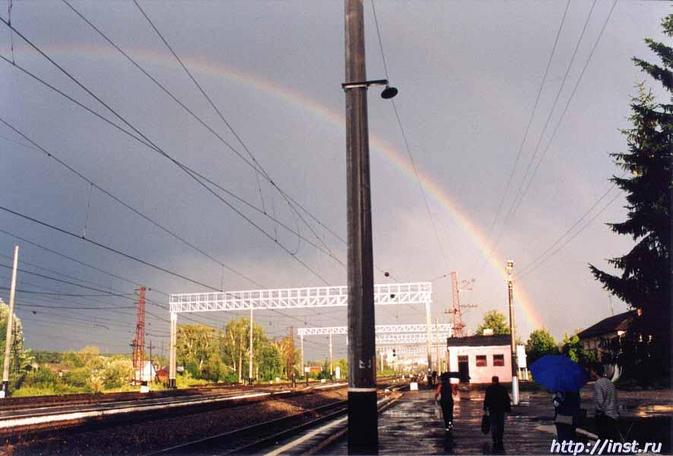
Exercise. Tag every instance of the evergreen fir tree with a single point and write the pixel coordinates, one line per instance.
(645, 279)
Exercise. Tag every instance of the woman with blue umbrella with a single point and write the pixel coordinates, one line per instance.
(560, 375)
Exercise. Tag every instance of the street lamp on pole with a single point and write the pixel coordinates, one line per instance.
(512, 332)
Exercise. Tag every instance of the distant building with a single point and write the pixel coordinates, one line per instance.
(162, 375)
(147, 373)
(605, 338)
(480, 357)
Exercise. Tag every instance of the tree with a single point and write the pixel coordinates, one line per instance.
(540, 343)
(235, 348)
(270, 363)
(21, 359)
(645, 279)
(493, 320)
(572, 348)
(288, 355)
(197, 348)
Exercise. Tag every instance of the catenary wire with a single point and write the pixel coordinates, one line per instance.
(108, 193)
(408, 149)
(158, 149)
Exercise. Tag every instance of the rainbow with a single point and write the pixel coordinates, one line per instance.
(331, 116)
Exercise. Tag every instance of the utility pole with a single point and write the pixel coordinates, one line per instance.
(172, 352)
(436, 342)
(151, 363)
(290, 357)
(331, 368)
(362, 413)
(251, 350)
(512, 330)
(139, 340)
(10, 317)
(301, 342)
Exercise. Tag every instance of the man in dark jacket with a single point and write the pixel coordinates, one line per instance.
(496, 403)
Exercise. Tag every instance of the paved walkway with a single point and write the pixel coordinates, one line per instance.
(414, 426)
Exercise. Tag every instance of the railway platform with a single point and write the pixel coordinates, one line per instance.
(412, 425)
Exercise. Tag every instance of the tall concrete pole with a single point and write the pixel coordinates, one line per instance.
(435, 341)
(301, 341)
(428, 322)
(10, 317)
(512, 332)
(331, 367)
(362, 413)
(251, 352)
(172, 358)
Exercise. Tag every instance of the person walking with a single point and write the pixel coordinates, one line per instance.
(444, 394)
(605, 403)
(567, 412)
(496, 404)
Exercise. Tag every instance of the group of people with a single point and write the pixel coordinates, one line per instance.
(568, 412)
(567, 416)
(496, 404)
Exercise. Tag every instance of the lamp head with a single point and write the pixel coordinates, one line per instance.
(388, 92)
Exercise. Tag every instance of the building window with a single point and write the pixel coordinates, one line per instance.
(498, 360)
(481, 361)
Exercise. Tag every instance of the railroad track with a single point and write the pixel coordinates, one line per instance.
(14, 403)
(54, 418)
(247, 440)
(265, 435)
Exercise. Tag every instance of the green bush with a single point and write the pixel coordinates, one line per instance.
(42, 377)
(117, 373)
(78, 377)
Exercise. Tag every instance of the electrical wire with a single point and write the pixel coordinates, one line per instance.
(568, 101)
(158, 149)
(106, 247)
(560, 242)
(408, 149)
(108, 193)
(504, 194)
(520, 192)
(257, 167)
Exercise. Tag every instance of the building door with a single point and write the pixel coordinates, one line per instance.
(464, 369)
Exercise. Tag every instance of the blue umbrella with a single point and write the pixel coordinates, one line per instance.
(558, 373)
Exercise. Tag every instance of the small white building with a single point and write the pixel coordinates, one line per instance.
(480, 357)
(147, 374)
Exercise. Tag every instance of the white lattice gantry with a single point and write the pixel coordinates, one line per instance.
(290, 298)
(296, 298)
(410, 339)
(380, 329)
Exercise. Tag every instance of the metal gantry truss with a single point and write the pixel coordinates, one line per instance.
(296, 298)
(413, 293)
(388, 336)
(411, 339)
(380, 329)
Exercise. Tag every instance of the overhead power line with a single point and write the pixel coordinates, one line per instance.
(568, 101)
(408, 149)
(255, 165)
(566, 236)
(75, 260)
(108, 248)
(128, 206)
(69, 295)
(162, 306)
(160, 151)
(67, 282)
(504, 194)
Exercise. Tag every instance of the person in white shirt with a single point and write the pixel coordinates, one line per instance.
(605, 402)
